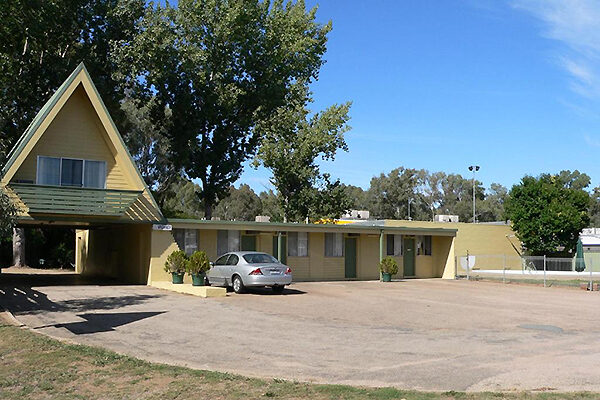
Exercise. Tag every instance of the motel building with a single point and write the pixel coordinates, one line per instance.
(71, 168)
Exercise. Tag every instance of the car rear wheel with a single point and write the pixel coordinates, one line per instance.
(238, 285)
(277, 288)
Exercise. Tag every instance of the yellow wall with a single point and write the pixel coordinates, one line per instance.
(476, 238)
(121, 252)
(315, 267)
(76, 132)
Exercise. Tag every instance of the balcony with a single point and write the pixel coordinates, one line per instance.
(41, 199)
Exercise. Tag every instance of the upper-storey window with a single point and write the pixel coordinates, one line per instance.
(71, 172)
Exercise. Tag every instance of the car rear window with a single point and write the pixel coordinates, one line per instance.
(259, 258)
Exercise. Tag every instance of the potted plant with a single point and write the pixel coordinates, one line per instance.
(176, 264)
(388, 267)
(197, 267)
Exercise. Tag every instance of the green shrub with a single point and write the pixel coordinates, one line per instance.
(389, 266)
(198, 263)
(177, 262)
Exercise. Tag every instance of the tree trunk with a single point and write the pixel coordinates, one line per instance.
(19, 247)
(208, 210)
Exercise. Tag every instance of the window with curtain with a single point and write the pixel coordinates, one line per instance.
(228, 241)
(334, 245)
(71, 172)
(298, 244)
(424, 245)
(95, 174)
(394, 245)
(186, 239)
(48, 171)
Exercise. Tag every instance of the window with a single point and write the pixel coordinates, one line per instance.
(298, 244)
(260, 258)
(95, 174)
(394, 245)
(222, 260)
(334, 245)
(71, 172)
(48, 171)
(233, 259)
(228, 241)
(424, 245)
(187, 240)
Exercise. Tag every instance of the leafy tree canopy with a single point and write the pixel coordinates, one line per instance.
(549, 212)
(210, 71)
(41, 43)
(239, 205)
(8, 214)
(293, 141)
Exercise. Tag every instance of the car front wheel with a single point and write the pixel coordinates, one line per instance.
(238, 285)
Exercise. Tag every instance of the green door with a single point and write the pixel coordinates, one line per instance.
(248, 243)
(284, 249)
(409, 257)
(350, 257)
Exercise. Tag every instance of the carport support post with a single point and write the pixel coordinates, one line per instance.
(279, 246)
(380, 251)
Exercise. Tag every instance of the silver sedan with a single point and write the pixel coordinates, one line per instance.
(243, 269)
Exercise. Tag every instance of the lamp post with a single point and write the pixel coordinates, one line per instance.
(474, 168)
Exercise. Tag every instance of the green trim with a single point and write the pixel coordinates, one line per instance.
(154, 203)
(43, 113)
(68, 220)
(38, 119)
(275, 226)
(42, 199)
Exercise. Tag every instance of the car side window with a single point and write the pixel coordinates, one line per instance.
(233, 260)
(222, 260)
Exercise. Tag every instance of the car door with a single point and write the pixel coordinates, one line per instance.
(218, 271)
(230, 268)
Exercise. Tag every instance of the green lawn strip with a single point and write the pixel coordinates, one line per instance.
(35, 366)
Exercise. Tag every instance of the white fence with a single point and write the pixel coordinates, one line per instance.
(537, 269)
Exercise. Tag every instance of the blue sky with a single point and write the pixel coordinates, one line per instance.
(513, 86)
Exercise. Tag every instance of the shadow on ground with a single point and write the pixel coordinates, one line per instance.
(269, 292)
(103, 322)
(26, 300)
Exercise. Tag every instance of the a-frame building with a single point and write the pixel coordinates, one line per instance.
(72, 168)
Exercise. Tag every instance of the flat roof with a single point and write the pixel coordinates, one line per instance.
(302, 227)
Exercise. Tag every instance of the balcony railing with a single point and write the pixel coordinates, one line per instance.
(42, 199)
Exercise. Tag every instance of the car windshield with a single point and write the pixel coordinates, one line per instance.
(259, 258)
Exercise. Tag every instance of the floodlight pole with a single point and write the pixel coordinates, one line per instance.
(474, 168)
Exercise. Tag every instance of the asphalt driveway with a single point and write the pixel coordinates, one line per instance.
(419, 334)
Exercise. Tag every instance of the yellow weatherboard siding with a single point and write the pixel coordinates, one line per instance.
(475, 238)
(74, 123)
(314, 267)
(76, 132)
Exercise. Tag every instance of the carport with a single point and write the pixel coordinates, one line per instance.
(71, 168)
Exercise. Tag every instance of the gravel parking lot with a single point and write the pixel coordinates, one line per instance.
(418, 334)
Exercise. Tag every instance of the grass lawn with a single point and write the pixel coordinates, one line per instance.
(34, 366)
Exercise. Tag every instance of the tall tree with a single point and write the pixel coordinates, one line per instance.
(211, 70)
(8, 213)
(41, 43)
(239, 205)
(548, 213)
(293, 140)
(389, 195)
(271, 205)
(182, 201)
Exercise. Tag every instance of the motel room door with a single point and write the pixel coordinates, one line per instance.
(350, 257)
(409, 256)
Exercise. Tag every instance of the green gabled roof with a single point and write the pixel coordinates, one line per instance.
(38, 119)
(49, 106)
